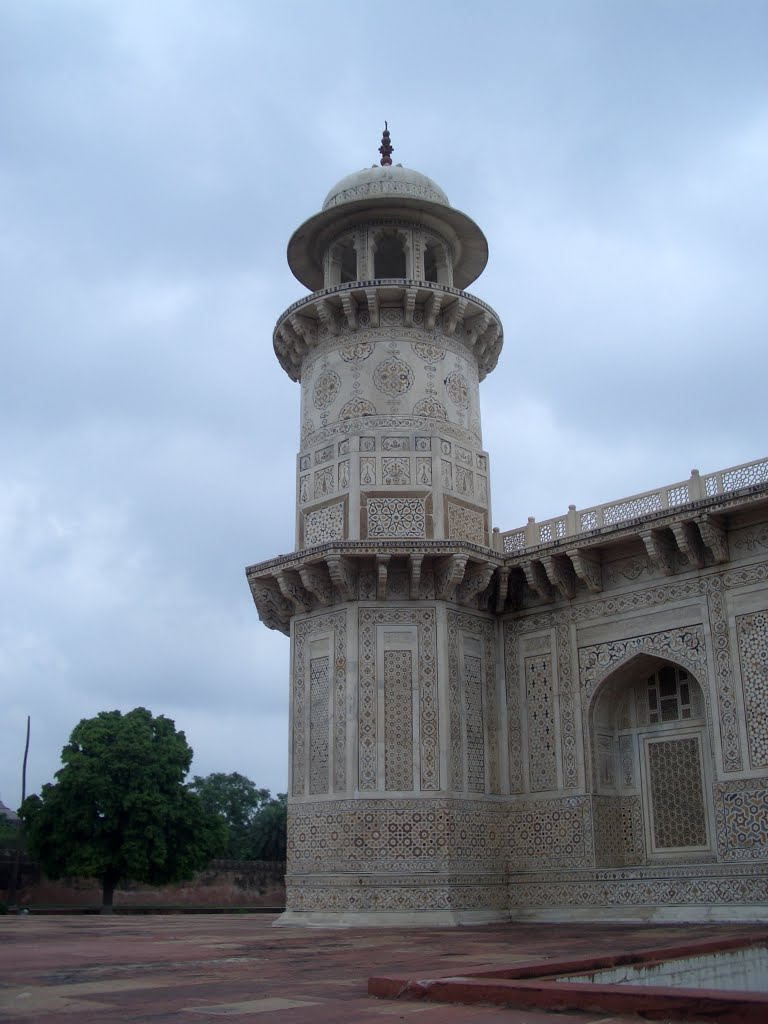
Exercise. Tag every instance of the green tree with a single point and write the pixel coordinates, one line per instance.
(237, 801)
(269, 830)
(9, 831)
(119, 808)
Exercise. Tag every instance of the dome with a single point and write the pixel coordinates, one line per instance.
(381, 182)
(386, 190)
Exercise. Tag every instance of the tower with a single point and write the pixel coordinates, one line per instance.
(566, 718)
(389, 597)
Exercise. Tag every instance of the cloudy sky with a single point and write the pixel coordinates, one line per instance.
(155, 156)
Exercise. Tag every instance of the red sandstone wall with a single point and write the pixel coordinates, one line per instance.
(221, 884)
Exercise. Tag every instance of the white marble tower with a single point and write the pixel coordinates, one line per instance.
(392, 538)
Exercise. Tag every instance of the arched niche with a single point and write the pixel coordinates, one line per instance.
(392, 254)
(651, 762)
(437, 264)
(342, 262)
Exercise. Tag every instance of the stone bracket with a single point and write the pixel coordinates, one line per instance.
(449, 572)
(453, 317)
(476, 327)
(433, 309)
(587, 569)
(293, 589)
(414, 564)
(502, 579)
(382, 570)
(317, 581)
(715, 539)
(275, 611)
(325, 313)
(689, 542)
(409, 305)
(372, 298)
(349, 306)
(560, 574)
(661, 551)
(537, 580)
(343, 575)
(475, 582)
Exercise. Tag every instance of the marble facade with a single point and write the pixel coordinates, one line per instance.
(567, 718)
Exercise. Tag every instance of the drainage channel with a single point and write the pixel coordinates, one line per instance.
(723, 981)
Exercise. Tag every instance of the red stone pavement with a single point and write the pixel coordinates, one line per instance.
(195, 968)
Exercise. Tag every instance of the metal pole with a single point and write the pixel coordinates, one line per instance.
(12, 888)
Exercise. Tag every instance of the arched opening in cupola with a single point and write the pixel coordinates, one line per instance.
(430, 264)
(342, 263)
(389, 258)
(436, 265)
(348, 261)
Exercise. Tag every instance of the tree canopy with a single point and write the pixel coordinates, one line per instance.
(255, 821)
(269, 831)
(120, 808)
(237, 801)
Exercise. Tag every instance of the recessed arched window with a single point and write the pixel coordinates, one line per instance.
(651, 764)
(430, 264)
(670, 697)
(348, 261)
(389, 259)
(436, 265)
(342, 263)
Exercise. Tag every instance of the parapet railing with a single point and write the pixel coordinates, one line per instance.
(576, 521)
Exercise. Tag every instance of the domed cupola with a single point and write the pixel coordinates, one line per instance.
(387, 222)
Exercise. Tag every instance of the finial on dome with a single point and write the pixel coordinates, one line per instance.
(386, 148)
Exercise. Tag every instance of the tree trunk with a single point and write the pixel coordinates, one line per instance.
(108, 884)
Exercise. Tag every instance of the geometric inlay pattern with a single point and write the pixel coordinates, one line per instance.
(473, 698)
(398, 720)
(618, 831)
(550, 833)
(741, 809)
(368, 730)
(466, 524)
(396, 517)
(334, 623)
(542, 751)
(677, 794)
(318, 724)
(752, 632)
(726, 691)
(514, 724)
(324, 524)
(475, 628)
(567, 709)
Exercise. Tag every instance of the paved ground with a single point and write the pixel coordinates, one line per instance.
(189, 969)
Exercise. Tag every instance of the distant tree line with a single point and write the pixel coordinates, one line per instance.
(255, 820)
(121, 809)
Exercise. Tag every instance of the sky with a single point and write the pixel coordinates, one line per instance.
(155, 158)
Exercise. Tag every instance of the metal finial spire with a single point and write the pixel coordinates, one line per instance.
(386, 148)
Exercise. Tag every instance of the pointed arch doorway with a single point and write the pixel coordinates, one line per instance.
(652, 761)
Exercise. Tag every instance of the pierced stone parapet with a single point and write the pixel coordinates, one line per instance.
(694, 493)
(349, 308)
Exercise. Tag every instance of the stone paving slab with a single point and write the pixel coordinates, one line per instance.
(185, 969)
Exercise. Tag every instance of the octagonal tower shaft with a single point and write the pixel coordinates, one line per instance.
(389, 354)
(388, 595)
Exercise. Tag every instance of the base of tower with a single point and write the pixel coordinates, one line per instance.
(389, 919)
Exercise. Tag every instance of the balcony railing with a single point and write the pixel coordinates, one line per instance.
(578, 521)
